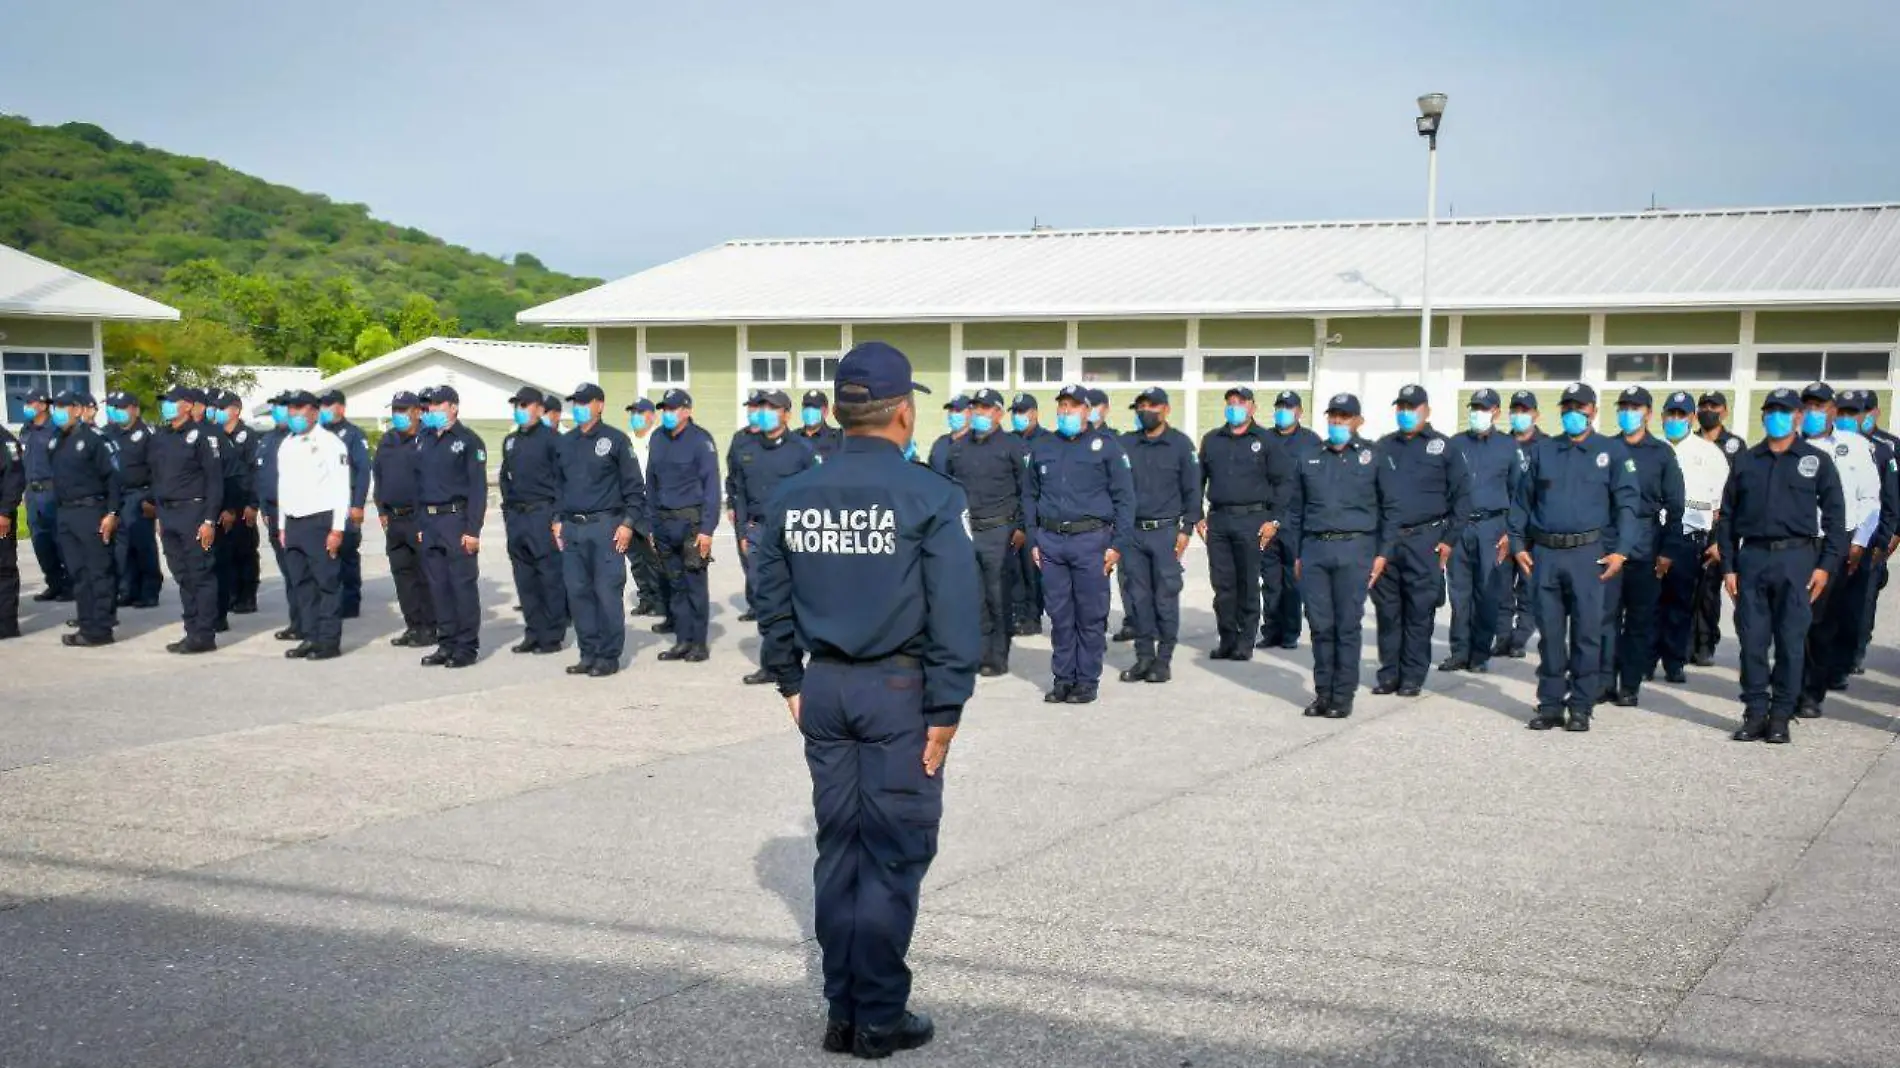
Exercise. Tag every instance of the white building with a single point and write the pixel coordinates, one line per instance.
(485, 374)
(52, 334)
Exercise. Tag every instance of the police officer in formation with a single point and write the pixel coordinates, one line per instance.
(1517, 615)
(313, 496)
(1631, 597)
(1686, 544)
(753, 401)
(234, 554)
(1833, 636)
(761, 463)
(1167, 479)
(991, 465)
(186, 462)
(12, 491)
(1572, 521)
(1244, 477)
(1025, 422)
(85, 477)
(1336, 521)
(1280, 615)
(1078, 513)
(601, 509)
(1887, 458)
(135, 548)
(1783, 535)
(399, 511)
(530, 484)
(1480, 562)
(334, 415)
(956, 421)
(1426, 488)
(269, 511)
(1711, 426)
(683, 497)
(38, 435)
(823, 438)
(452, 481)
(642, 561)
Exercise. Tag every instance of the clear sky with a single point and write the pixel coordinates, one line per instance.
(607, 136)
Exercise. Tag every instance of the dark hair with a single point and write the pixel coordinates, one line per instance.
(867, 414)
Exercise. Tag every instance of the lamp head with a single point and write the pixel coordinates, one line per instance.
(1431, 109)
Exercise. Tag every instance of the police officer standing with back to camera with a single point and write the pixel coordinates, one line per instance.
(823, 438)
(1280, 616)
(1571, 520)
(1167, 479)
(335, 418)
(991, 465)
(1517, 614)
(12, 490)
(1480, 562)
(38, 435)
(135, 549)
(683, 496)
(1630, 599)
(642, 562)
(1835, 634)
(1336, 521)
(880, 700)
(1245, 476)
(313, 492)
(1711, 419)
(269, 512)
(1025, 424)
(187, 464)
(1079, 513)
(399, 510)
(1783, 534)
(85, 474)
(532, 462)
(1426, 488)
(1685, 542)
(601, 511)
(761, 463)
(452, 480)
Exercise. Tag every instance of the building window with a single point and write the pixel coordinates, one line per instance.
(1671, 366)
(1831, 366)
(53, 372)
(818, 368)
(770, 368)
(1227, 368)
(666, 369)
(986, 368)
(1492, 367)
(1145, 368)
(1040, 369)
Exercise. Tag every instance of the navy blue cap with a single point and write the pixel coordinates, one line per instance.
(75, 396)
(1097, 397)
(1484, 398)
(815, 398)
(527, 395)
(37, 396)
(551, 402)
(1074, 392)
(1238, 391)
(1524, 398)
(1579, 393)
(1288, 399)
(300, 398)
(1714, 397)
(641, 405)
(179, 393)
(1151, 395)
(874, 371)
(1413, 396)
(676, 398)
(1786, 400)
(755, 397)
(1635, 396)
(586, 393)
(957, 403)
(405, 399)
(438, 395)
(1818, 391)
(1679, 402)
(227, 399)
(1852, 400)
(776, 398)
(118, 398)
(987, 398)
(1024, 402)
(1343, 403)
(331, 396)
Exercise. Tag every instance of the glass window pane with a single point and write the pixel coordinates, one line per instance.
(1788, 366)
(1701, 366)
(1107, 369)
(1042, 368)
(1159, 368)
(1294, 366)
(1228, 368)
(1857, 366)
(1638, 366)
(1553, 367)
(77, 363)
(1491, 367)
(26, 361)
(75, 383)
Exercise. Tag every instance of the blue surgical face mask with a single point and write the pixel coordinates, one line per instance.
(523, 417)
(579, 416)
(1408, 419)
(1575, 422)
(61, 417)
(400, 422)
(1521, 422)
(637, 421)
(811, 416)
(910, 451)
(1285, 418)
(1097, 416)
(435, 420)
(118, 416)
(1069, 424)
(547, 420)
(956, 421)
(1338, 433)
(1629, 420)
(1847, 424)
(325, 417)
(168, 409)
(769, 420)
(1675, 429)
(1777, 423)
(1482, 422)
(670, 419)
(1867, 423)
(1236, 415)
(1019, 420)
(982, 424)
(752, 417)
(1813, 422)
(279, 414)
(299, 424)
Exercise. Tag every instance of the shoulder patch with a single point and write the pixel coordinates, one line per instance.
(603, 447)
(456, 446)
(79, 445)
(1126, 463)
(212, 440)
(1732, 446)
(1365, 457)
(1809, 466)
(243, 436)
(481, 456)
(1840, 450)
(508, 444)
(191, 437)
(1603, 459)
(138, 435)
(1630, 466)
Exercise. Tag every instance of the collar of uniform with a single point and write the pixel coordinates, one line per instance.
(1142, 437)
(770, 442)
(1565, 441)
(867, 444)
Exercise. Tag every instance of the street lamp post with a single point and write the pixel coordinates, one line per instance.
(1431, 109)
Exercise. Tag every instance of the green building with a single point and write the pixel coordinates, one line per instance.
(52, 327)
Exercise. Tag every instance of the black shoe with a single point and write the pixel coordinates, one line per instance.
(1408, 691)
(244, 608)
(1544, 721)
(1453, 663)
(1081, 695)
(1675, 675)
(1807, 709)
(990, 671)
(1754, 729)
(122, 602)
(437, 658)
(1385, 688)
(603, 668)
(288, 634)
(839, 1037)
(460, 660)
(153, 603)
(351, 613)
(1338, 711)
(876, 1043)
(524, 647)
(46, 595)
(1777, 734)
(1317, 708)
(1578, 723)
(405, 640)
(1222, 652)
(1125, 634)
(548, 647)
(1137, 673)
(677, 652)
(324, 652)
(1161, 671)
(646, 608)
(1702, 660)
(222, 626)
(1515, 652)
(1290, 643)
(299, 651)
(1478, 667)
(80, 641)
(1837, 685)
(1264, 642)
(1059, 694)
(748, 616)
(11, 632)
(73, 623)
(1857, 670)
(187, 647)
(664, 626)
(1026, 630)
(696, 653)
(581, 668)
(1625, 699)
(762, 676)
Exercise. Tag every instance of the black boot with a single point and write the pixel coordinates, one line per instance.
(1125, 634)
(1546, 719)
(1058, 694)
(1317, 708)
(759, 678)
(840, 1036)
(1160, 671)
(1754, 729)
(1139, 672)
(875, 1043)
(1777, 731)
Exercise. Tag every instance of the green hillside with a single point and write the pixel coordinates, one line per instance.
(264, 273)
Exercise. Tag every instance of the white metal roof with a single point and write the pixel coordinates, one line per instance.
(30, 286)
(1754, 256)
(548, 367)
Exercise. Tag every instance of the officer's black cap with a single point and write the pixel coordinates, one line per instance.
(957, 403)
(75, 396)
(527, 395)
(179, 393)
(1851, 400)
(1151, 395)
(300, 398)
(37, 396)
(1342, 404)
(405, 399)
(755, 398)
(1484, 398)
(1785, 400)
(874, 371)
(1525, 399)
(1287, 399)
(331, 396)
(120, 399)
(1076, 393)
(776, 398)
(1024, 402)
(1412, 396)
(815, 398)
(228, 399)
(676, 398)
(1097, 397)
(1579, 393)
(587, 393)
(1237, 391)
(1818, 391)
(987, 398)
(641, 405)
(1714, 398)
(438, 395)
(1679, 402)
(1636, 396)
(551, 402)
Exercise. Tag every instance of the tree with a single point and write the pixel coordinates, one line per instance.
(235, 222)
(419, 319)
(333, 363)
(528, 261)
(145, 359)
(374, 340)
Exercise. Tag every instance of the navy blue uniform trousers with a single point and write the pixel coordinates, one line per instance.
(543, 578)
(750, 533)
(1233, 565)
(1333, 584)
(993, 556)
(224, 569)
(273, 530)
(454, 584)
(1279, 614)
(1834, 635)
(351, 561)
(193, 570)
(248, 566)
(1405, 606)
(877, 815)
(1477, 581)
(10, 579)
(644, 564)
(89, 571)
(1772, 611)
(1027, 587)
(1154, 592)
(1517, 610)
(1676, 607)
(1878, 583)
(135, 548)
(1568, 588)
(402, 541)
(313, 580)
(42, 514)
(686, 590)
(1076, 594)
(596, 588)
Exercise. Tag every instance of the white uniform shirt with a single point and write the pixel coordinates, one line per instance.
(1860, 480)
(313, 477)
(1704, 475)
(641, 444)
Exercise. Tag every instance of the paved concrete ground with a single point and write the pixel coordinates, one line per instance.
(239, 860)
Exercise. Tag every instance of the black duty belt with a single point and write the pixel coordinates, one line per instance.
(100, 499)
(180, 502)
(902, 660)
(1238, 509)
(1564, 541)
(1340, 535)
(1157, 524)
(445, 508)
(142, 488)
(1415, 528)
(41, 486)
(679, 513)
(584, 518)
(990, 522)
(1071, 526)
(1778, 544)
(526, 506)
(1490, 513)
(397, 511)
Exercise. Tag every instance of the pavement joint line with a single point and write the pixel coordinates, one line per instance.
(1761, 905)
(1784, 1003)
(364, 728)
